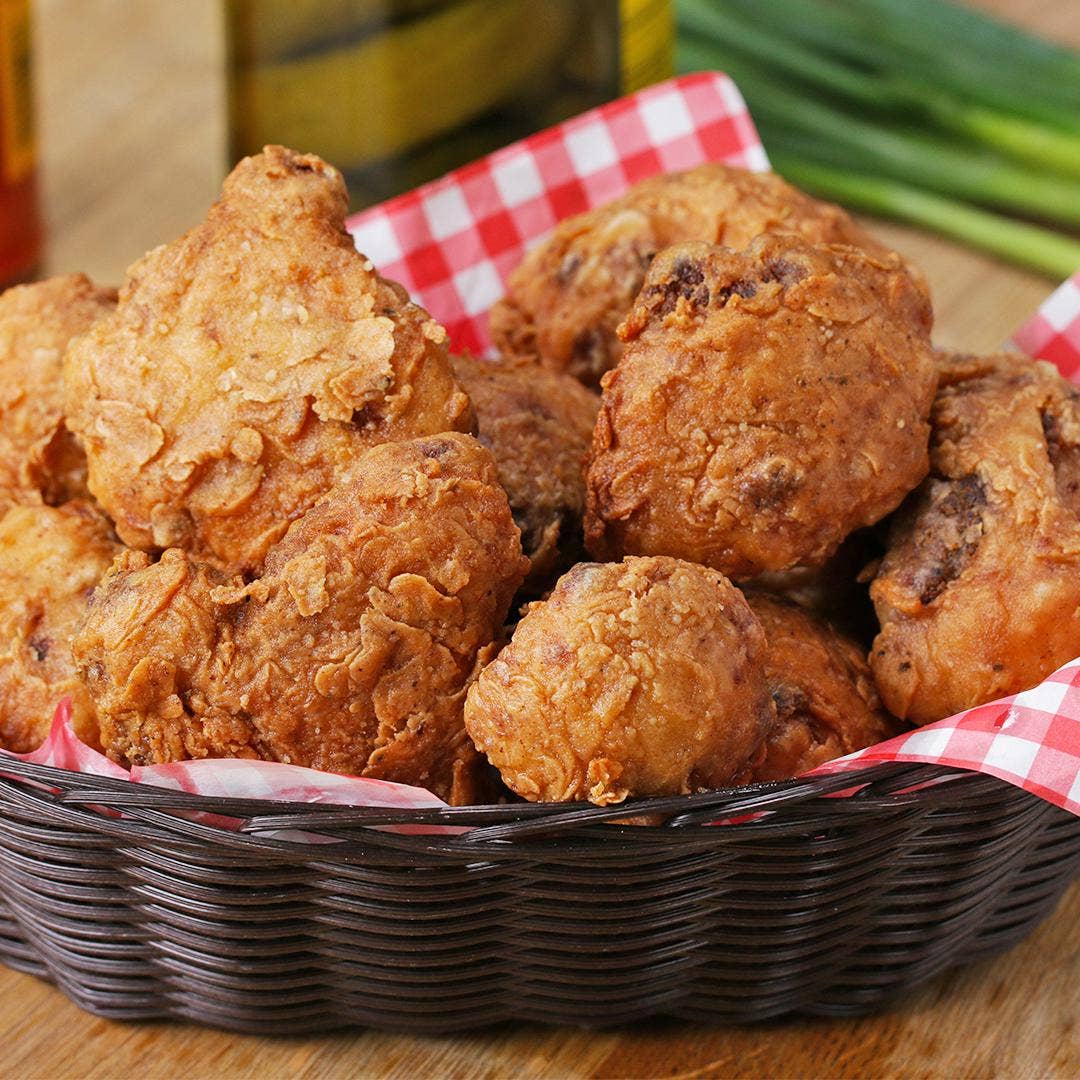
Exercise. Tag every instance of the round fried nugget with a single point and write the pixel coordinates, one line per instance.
(50, 560)
(351, 653)
(39, 458)
(825, 698)
(246, 366)
(769, 402)
(571, 292)
(538, 425)
(643, 677)
(979, 592)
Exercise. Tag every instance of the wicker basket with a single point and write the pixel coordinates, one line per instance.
(551, 913)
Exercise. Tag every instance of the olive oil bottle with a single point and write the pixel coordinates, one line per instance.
(396, 92)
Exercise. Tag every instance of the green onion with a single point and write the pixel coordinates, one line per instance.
(1027, 245)
(1018, 137)
(916, 107)
(908, 154)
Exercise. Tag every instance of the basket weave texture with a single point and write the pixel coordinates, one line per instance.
(136, 908)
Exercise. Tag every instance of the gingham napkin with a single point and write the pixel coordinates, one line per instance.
(1053, 332)
(452, 244)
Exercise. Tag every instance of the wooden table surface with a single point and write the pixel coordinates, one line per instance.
(133, 131)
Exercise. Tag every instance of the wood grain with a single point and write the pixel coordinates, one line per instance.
(131, 96)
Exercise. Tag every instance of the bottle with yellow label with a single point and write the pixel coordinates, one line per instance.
(395, 92)
(20, 224)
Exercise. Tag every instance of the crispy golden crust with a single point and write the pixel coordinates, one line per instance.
(825, 698)
(637, 678)
(537, 424)
(978, 592)
(39, 458)
(572, 291)
(246, 366)
(151, 649)
(50, 560)
(352, 653)
(768, 403)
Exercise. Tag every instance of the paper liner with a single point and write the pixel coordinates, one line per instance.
(453, 242)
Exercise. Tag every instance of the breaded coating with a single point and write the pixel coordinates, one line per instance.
(570, 293)
(769, 402)
(979, 592)
(152, 650)
(538, 425)
(826, 702)
(351, 653)
(246, 366)
(51, 558)
(637, 678)
(39, 458)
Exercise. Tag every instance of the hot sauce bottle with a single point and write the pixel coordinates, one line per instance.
(20, 222)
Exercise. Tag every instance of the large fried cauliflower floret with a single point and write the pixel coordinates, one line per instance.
(246, 366)
(572, 291)
(50, 560)
(351, 653)
(769, 402)
(979, 592)
(538, 425)
(637, 678)
(39, 458)
(826, 702)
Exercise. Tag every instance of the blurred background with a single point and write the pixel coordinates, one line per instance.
(134, 122)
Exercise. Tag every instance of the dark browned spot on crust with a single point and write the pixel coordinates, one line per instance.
(590, 347)
(742, 287)
(948, 533)
(40, 648)
(790, 700)
(687, 282)
(768, 489)
(1064, 457)
(783, 271)
(568, 268)
(435, 449)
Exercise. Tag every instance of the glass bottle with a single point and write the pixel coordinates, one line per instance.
(396, 92)
(20, 223)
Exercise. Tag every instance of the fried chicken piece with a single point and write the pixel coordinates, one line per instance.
(769, 402)
(569, 295)
(247, 365)
(152, 648)
(977, 594)
(637, 678)
(39, 458)
(538, 425)
(50, 560)
(826, 702)
(351, 653)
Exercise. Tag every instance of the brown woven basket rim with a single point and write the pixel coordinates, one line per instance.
(883, 785)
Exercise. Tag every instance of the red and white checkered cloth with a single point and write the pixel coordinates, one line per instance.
(1053, 332)
(453, 242)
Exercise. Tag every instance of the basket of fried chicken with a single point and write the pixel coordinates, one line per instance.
(602, 597)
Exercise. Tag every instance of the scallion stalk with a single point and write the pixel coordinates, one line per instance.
(910, 108)
(1016, 241)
